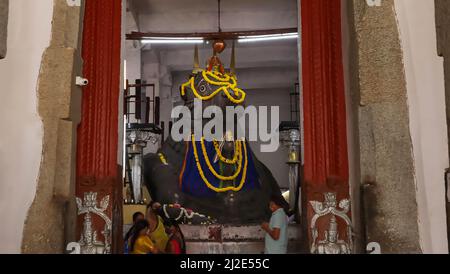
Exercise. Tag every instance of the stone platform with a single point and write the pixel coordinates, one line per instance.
(228, 239)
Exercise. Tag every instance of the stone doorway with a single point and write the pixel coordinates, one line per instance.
(95, 179)
(373, 102)
(326, 163)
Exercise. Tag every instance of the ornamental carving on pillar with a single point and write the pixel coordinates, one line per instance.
(329, 209)
(97, 138)
(89, 243)
(326, 165)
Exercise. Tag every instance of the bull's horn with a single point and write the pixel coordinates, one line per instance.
(196, 61)
(233, 60)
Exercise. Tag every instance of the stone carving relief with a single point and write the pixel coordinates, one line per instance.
(89, 244)
(4, 8)
(331, 243)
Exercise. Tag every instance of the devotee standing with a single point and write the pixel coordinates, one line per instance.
(140, 242)
(137, 216)
(155, 206)
(276, 230)
(176, 244)
(157, 231)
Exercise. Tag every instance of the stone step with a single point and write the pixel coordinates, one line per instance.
(228, 239)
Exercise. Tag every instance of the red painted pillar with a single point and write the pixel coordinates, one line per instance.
(97, 168)
(326, 156)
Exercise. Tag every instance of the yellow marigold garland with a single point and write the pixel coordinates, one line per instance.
(213, 171)
(223, 81)
(208, 184)
(224, 159)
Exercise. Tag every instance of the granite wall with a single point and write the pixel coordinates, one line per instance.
(378, 87)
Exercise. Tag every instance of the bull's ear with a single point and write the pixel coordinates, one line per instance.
(184, 97)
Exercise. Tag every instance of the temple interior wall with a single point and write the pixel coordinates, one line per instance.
(201, 15)
(21, 143)
(426, 100)
(131, 67)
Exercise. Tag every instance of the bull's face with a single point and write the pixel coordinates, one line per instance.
(213, 88)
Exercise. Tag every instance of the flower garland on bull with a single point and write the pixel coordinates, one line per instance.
(198, 166)
(237, 151)
(213, 171)
(211, 168)
(183, 215)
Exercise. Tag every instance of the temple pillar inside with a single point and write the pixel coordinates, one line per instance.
(99, 185)
(396, 88)
(326, 171)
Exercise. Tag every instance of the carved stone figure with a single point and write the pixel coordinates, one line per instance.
(88, 241)
(331, 243)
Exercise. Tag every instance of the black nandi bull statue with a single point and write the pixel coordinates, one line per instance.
(221, 179)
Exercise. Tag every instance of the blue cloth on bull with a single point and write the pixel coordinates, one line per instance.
(192, 183)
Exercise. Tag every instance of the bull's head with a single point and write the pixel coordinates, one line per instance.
(213, 86)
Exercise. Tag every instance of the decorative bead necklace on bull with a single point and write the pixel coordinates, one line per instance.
(222, 178)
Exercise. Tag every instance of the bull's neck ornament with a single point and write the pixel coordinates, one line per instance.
(88, 242)
(237, 151)
(242, 169)
(331, 243)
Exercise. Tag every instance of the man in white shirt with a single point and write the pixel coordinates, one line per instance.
(276, 239)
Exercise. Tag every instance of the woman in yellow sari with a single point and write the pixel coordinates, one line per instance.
(157, 230)
(140, 242)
